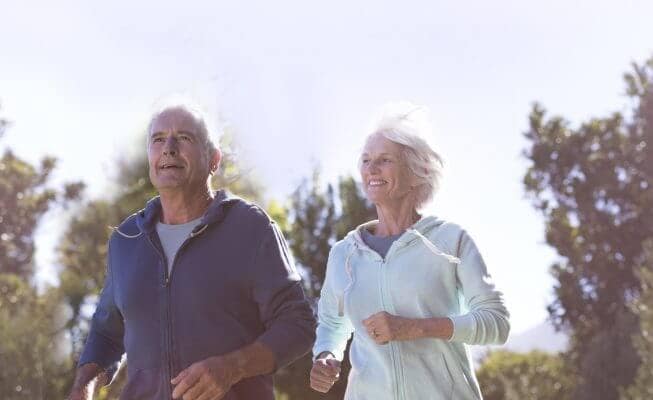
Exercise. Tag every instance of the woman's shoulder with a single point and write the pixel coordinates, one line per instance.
(445, 233)
(340, 247)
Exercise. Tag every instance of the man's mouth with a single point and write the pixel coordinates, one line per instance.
(170, 166)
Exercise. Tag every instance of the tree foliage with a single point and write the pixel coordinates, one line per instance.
(33, 348)
(642, 387)
(25, 197)
(514, 376)
(593, 186)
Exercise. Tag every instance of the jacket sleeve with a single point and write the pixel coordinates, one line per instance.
(487, 321)
(284, 310)
(333, 329)
(104, 345)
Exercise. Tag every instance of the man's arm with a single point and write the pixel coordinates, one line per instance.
(104, 346)
(286, 314)
(87, 376)
(277, 289)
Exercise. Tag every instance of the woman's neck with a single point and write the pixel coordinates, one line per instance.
(394, 220)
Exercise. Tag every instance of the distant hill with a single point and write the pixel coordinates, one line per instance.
(540, 337)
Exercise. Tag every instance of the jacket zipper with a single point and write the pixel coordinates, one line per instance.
(168, 329)
(167, 354)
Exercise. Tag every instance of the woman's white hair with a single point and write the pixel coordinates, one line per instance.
(409, 125)
(195, 110)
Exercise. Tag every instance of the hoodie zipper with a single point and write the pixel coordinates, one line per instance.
(168, 352)
(166, 283)
(395, 355)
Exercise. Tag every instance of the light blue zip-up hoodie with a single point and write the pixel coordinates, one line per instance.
(433, 270)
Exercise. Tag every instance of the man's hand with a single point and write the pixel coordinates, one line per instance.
(325, 372)
(87, 376)
(79, 394)
(209, 379)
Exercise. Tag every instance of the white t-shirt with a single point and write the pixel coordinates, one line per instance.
(172, 237)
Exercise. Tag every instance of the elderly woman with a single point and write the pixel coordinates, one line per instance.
(413, 289)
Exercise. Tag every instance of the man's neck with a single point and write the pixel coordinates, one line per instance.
(179, 207)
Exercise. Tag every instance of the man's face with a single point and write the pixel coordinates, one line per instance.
(177, 154)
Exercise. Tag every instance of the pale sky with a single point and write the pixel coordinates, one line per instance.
(299, 82)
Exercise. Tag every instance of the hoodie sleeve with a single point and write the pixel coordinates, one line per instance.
(487, 321)
(333, 329)
(104, 345)
(283, 308)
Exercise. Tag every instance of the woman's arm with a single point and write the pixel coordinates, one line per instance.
(384, 327)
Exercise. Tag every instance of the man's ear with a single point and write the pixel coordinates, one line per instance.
(214, 161)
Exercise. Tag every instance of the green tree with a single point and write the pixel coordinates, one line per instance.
(25, 197)
(642, 388)
(593, 186)
(505, 375)
(32, 345)
(313, 228)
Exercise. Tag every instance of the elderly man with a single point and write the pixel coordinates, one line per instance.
(200, 292)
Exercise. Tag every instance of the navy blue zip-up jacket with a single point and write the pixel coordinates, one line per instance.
(232, 283)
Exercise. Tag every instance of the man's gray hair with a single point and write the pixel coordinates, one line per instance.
(408, 125)
(193, 109)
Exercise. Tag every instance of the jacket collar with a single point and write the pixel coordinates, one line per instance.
(423, 226)
(147, 218)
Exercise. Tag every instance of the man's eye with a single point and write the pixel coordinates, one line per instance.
(157, 139)
(387, 160)
(365, 161)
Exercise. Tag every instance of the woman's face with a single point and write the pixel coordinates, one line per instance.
(386, 178)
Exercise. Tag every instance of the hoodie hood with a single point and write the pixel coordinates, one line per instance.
(416, 231)
(147, 218)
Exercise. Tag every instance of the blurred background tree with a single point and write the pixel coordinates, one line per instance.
(505, 375)
(642, 387)
(592, 184)
(32, 346)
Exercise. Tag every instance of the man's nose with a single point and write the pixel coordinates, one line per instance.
(170, 146)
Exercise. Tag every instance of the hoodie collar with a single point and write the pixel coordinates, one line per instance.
(423, 226)
(150, 215)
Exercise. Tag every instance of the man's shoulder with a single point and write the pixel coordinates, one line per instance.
(128, 228)
(248, 212)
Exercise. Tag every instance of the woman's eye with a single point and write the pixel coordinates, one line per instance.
(387, 160)
(365, 161)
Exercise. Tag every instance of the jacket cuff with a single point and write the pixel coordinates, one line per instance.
(332, 348)
(464, 328)
(102, 352)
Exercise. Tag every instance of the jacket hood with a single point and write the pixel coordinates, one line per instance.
(416, 231)
(147, 218)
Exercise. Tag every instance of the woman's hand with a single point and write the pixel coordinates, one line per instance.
(384, 327)
(325, 372)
